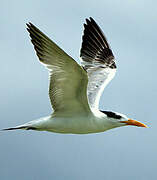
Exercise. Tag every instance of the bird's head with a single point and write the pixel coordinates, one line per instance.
(122, 120)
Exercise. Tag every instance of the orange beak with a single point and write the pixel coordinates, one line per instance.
(134, 123)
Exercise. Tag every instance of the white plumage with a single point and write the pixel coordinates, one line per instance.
(75, 90)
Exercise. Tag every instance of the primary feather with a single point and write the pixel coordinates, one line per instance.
(98, 60)
(68, 80)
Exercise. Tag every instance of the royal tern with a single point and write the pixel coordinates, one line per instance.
(75, 89)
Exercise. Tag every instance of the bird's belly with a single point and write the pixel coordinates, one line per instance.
(74, 125)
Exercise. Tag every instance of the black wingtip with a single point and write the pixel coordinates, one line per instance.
(95, 45)
(28, 24)
(91, 19)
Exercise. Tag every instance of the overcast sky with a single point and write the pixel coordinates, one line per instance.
(122, 153)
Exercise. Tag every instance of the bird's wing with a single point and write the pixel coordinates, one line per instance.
(98, 60)
(68, 80)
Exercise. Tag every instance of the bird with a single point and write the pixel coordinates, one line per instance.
(75, 89)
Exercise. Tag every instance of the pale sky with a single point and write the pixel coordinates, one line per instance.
(122, 153)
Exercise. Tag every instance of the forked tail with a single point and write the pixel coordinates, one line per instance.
(19, 127)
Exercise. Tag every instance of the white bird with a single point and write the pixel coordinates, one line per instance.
(75, 89)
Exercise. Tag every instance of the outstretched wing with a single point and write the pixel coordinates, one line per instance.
(98, 60)
(68, 80)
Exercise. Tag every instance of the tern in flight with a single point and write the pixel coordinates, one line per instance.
(75, 89)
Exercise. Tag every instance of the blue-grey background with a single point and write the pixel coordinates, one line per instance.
(122, 153)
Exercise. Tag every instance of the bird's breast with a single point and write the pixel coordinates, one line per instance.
(74, 125)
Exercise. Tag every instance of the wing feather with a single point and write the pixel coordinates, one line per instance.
(68, 80)
(98, 60)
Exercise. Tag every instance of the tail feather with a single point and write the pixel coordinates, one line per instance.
(20, 127)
